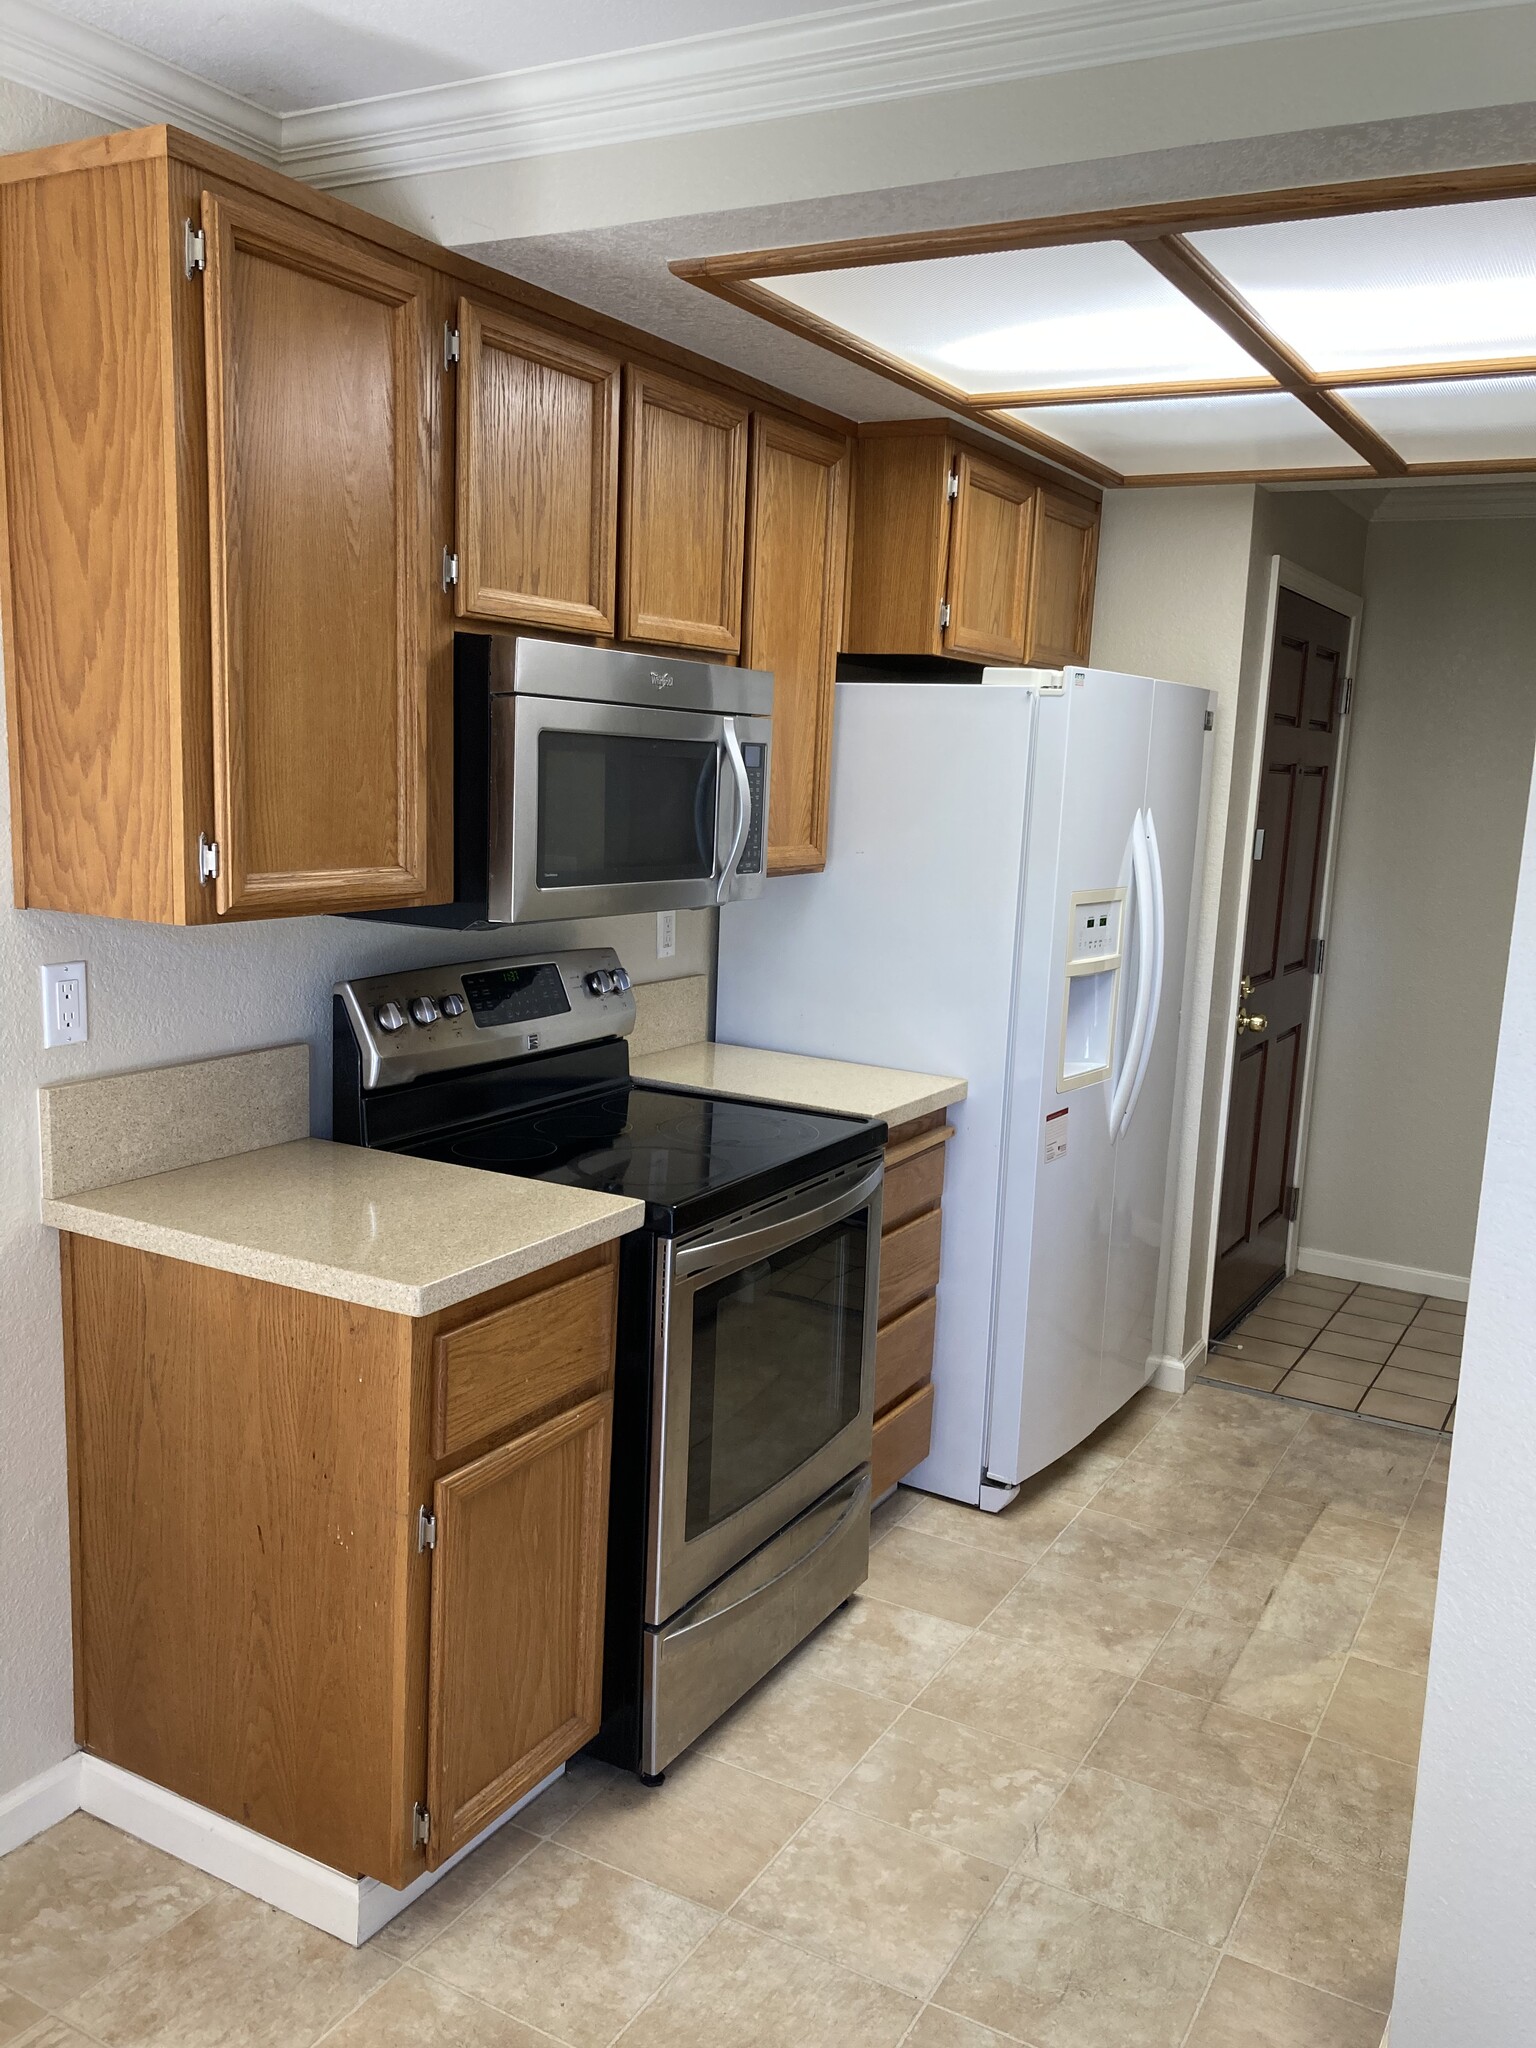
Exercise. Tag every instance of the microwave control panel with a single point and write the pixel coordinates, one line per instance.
(755, 762)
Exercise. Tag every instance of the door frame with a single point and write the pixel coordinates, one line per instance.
(1285, 575)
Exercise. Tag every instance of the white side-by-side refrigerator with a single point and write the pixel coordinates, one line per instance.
(1007, 897)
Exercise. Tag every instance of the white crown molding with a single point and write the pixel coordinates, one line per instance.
(772, 71)
(124, 86)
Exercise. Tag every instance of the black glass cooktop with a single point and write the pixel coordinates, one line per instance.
(689, 1158)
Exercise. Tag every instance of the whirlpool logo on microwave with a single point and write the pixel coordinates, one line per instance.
(661, 678)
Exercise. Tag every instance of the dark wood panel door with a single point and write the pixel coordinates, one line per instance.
(1280, 951)
(538, 475)
(517, 1619)
(797, 545)
(319, 510)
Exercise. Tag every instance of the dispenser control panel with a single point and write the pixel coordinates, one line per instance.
(1095, 928)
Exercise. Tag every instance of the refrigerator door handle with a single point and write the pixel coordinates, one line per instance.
(1141, 884)
(1160, 948)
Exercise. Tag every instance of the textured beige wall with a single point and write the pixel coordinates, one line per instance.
(1429, 851)
(1183, 590)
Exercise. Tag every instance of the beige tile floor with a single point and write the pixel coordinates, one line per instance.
(1129, 1766)
(1374, 1350)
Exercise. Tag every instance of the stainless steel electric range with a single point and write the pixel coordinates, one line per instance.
(744, 1395)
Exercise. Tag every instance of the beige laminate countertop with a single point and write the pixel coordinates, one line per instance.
(837, 1086)
(407, 1235)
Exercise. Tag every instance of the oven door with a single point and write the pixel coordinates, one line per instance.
(598, 809)
(764, 1386)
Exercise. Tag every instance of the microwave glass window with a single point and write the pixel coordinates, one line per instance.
(615, 809)
(778, 1359)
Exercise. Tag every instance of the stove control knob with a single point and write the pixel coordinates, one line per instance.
(621, 980)
(600, 982)
(389, 1017)
(423, 1010)
(453, 1006)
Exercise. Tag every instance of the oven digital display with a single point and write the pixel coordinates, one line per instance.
(516, 995)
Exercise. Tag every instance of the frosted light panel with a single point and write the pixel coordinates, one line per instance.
(1188, 436)
(1025, 319)
(1430, 284)
(1478, 419)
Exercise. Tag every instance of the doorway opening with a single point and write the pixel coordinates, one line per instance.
(1391, 772)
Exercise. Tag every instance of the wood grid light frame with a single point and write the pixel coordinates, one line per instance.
(1159, 233)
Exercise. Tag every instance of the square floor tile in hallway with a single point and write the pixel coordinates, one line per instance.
(1372, 1350)
(1130, 1765)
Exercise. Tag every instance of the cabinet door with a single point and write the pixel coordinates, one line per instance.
(1066, 548)
(989, 560)
(517, 1619)
(538, 475)
(685, 509)
(797, 532)
(319, 515)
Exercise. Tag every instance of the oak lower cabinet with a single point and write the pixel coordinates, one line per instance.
(796, 569)
(683, 514)
(338, 1574)
(538, 475)
(910, 1239)
(960, 550)
(220, 442)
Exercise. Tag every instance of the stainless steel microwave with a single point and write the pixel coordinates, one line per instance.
(591, 781)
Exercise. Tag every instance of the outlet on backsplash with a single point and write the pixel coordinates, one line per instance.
(666, 934)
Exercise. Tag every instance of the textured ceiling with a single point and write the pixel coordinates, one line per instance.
(285, 55)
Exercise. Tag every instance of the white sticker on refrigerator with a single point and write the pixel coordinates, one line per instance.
(1055, 1136)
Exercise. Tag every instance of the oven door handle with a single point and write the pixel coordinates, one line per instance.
(850, 1500)
(743, 811)
(748, 1245)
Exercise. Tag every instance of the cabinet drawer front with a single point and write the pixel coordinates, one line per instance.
(517, 1619)
(901, 1439)
(909, 1264)
(491, 1375)
(904, 1353)
(913, 1183)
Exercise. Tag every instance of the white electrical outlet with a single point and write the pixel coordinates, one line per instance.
(64, 1020)
(666, 934)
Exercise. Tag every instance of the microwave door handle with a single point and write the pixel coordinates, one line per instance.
(743, 812)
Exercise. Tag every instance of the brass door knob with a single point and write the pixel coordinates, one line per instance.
(1250, 1020)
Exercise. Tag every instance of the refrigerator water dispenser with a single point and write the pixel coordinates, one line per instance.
(1092, 995)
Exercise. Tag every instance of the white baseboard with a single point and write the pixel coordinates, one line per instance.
(1174, 1375)
(40, 1803)
(351, 1908)
(1379, 1273)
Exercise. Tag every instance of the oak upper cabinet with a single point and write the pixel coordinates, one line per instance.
(224, 617)
(1065, 555)
(989, 538)
(538, 475)
(683, 519)
(955, 552)
(797, 545)
(320, 522)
